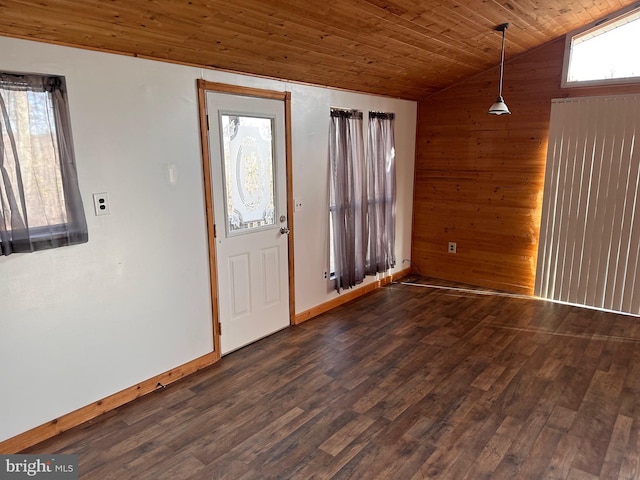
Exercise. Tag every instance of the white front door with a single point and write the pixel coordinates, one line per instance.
(248, 166)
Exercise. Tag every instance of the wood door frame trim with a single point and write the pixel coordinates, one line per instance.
(203, 87)
(208, 204)
(290, 206)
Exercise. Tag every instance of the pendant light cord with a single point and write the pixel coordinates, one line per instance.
(502, 62)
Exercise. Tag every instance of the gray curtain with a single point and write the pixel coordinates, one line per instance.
(348, 197)
(381, 187)
(40, 202)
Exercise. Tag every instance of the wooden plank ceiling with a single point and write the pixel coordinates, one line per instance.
(400, 48)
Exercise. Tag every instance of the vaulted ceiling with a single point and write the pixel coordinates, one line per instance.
(401, 48)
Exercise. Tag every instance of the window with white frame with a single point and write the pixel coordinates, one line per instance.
(605, 51)
(40, 202)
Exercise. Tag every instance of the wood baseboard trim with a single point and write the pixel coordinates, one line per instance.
(336, 302)
(349, 296)
(54, 427)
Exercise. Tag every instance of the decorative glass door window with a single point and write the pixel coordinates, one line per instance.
(249, 181)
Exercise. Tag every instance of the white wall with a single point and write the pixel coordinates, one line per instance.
(80, 323)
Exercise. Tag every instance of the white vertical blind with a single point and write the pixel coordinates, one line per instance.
(590, 229)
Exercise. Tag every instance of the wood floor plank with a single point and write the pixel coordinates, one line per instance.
(594, 424)
(337, 442)
(494, 451)
(615, 452)
(540, 454)
(326, 466)
(560, 464)
(471, 436)
(409, 381)
(521, 445)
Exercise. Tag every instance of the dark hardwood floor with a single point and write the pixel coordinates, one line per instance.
(408, 382)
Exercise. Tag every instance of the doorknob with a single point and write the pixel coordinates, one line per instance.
(284, 230)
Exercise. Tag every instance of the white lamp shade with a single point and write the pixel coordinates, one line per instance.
(499, 108)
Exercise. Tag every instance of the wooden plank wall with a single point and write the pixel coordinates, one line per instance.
(479, 178)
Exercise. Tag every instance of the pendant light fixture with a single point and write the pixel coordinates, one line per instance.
(500, 108)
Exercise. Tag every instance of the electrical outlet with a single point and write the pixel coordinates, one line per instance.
(101, 203)
(452, 247)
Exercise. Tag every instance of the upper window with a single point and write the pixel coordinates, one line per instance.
(40, 203)
(604, 52)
